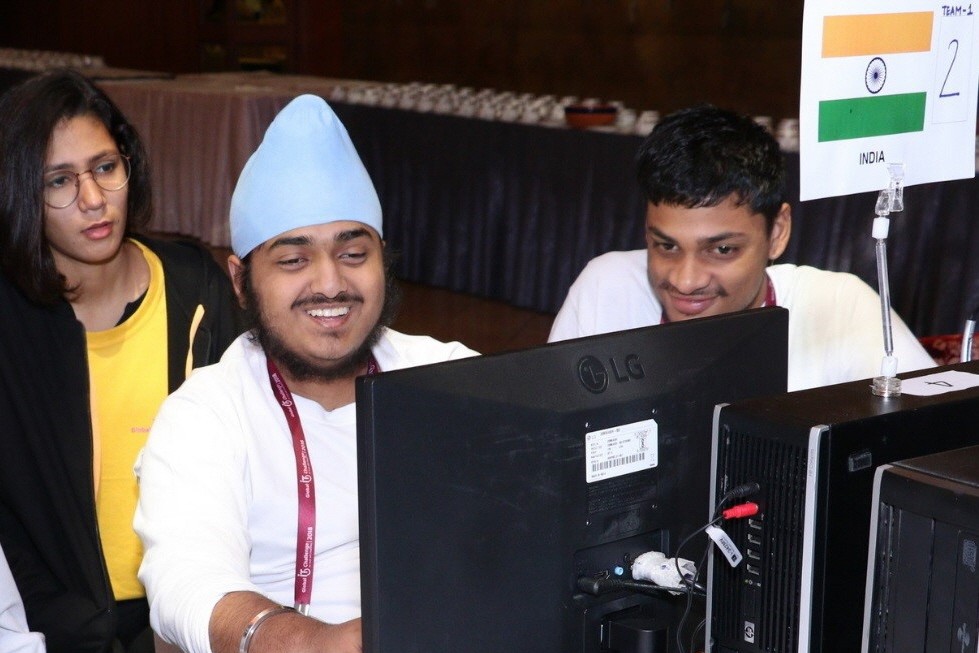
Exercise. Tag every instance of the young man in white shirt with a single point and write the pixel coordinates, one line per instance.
(716, 218)
(248, 483)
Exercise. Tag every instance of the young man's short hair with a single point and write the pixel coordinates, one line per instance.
(701, 156)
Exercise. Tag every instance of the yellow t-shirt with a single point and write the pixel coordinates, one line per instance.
(128, 371)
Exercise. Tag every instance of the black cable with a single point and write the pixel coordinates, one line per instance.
(690, 583)
(693, 637)
(686, 612)
(737, 492)
(689, 586)
(596, 586)
(683, 620)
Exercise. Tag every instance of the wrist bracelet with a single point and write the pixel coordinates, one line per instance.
(256, 622)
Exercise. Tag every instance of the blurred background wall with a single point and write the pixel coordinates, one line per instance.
(649, 54)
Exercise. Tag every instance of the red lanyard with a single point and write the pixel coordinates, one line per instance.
(306, 530)
(769, 293)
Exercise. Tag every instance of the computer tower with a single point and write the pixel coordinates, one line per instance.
(922, 582)
(800, 587)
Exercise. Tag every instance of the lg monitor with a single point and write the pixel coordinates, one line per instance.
(490, 486)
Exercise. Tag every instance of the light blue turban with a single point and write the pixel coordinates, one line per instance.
(305, 172)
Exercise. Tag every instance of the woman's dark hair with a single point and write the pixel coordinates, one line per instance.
(30, 113)
(701, 156)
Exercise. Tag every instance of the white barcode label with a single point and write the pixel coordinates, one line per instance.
(621, 450)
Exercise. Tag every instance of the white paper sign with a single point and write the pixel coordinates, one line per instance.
(886, 81)
(940, 383)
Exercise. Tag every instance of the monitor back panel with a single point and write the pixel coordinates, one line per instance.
(488, 487)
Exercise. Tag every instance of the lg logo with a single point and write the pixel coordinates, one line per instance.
(595, 376)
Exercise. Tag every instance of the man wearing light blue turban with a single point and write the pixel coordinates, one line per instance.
(306, 171)
(233, 523)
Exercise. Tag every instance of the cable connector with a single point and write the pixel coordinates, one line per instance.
(654, 566)
(740, 511)
(737, 492)
(743, 490)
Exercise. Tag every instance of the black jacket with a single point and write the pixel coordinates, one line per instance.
(47, 505)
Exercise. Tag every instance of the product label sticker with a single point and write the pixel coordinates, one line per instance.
(621, 450)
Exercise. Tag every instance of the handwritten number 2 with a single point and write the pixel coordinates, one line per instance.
(954, 42)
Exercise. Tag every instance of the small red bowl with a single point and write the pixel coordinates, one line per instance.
(583, 116)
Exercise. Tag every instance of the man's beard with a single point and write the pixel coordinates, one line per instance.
(300, 367)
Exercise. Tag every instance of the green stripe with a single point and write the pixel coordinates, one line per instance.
(871, 116)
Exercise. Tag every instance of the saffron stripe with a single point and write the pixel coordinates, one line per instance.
(865, 34)
(871, 116)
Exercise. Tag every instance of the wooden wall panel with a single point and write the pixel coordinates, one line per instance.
(29, 24)
(649, 54)
(127, 34)
(320, 46)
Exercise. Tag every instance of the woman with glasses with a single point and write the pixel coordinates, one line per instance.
(97, 326)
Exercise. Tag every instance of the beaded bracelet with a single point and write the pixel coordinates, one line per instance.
(258, 620)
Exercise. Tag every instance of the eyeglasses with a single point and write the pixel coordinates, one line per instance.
(61, 186)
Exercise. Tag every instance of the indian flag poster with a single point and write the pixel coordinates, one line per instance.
(886, 81)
